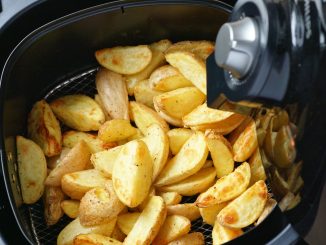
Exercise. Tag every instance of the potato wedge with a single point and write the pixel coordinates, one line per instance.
(115, 130)
(74, 228)
(70, 208)
(137, 136)
(269, 206)
(281, 119)
(208, 164)
(167, 78)
(31, 168)
(190, 66)
(112, 90)
(171, 198)
(256, 167)
(203, 118)
(52, 162)
(71, 138)
(44, 129)
(77, 159)
(78, 112)
(226, 188)
(148, 224)
(194, 152)
(177, 138)
(269, 141)
(194, 184)
(295, 201)
(52, 200)
(145, 117)
(125, 60)
(174, 227)
(95, 239)
(209, 214)
(188, 210)
(158, 59)
(195, 238)
(298, 185)
(223, 234)
(285, 202)
(171, 120)
(279, 186)
(127, 221)
(132, 173)
(261, 134)
(101, 104)
(117, 234)
(144, 94)
(179, 102)
(151, 193)
(99, 205)
(293, 173)
(246, 208)
(76, 184)
(158, 145)
(221, 153)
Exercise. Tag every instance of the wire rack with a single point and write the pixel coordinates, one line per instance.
(83, 83)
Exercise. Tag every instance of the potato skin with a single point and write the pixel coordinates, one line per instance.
(52, 204)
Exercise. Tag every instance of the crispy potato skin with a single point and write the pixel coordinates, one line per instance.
(52, 204)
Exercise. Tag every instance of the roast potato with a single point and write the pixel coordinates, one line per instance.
(177, 138)
(52, 208)
(188, 210)
(70, 208)
(127, 221)
(95, 239)
(222, 234)
(209, 213)
(144, 94)
(256, 167)
(115, 130)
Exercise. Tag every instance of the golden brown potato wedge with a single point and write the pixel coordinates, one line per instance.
(117, 234)
(179, 102)
(52, 200)
(174, 227)
(269, 206)
(52, 162)
(195, 238)
(76, 184)
(194, 152)
(256, 167)
(221, 153)
(188, 210)
(171, 198)
(144, 94)
(194, 184)
(167, 78)
(95, 239)
(101, 104)
(77, 159)
(148, 224)
(31, 168)
(74, 228)
(115, 130)
(209, 214)
(70, 208)
(127, 221)
(78, 112)
(177, 138)
(223, 234)
(132, 173)
(125, 60)
(99, 205)
(226, 188)
(246, 208)
(145, 117)
(190, 66)
(44, 129)
(112, 91)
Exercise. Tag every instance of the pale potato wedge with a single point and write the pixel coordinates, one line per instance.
(195, 238)
(74, 228)
(188, 210)
(209, 214)
(177, 138)
(144, 94)
(194, 184)
(269, 206)
(137, 136)
(223, 234)
(171, 198)
(76, 184)
(112, 90)
(95, 239)
(221, 153)
(52, 199)
(127, 221)
(103, 161)
(115, 130)
(151, 193)
(158, 145)
(78, 112)
(31, 168)
(278, 184)
(202, 49)
(76, 159)
(166, 117)
(294, 202)
(167, 78)
(132, 173)
(52, 162)
(99, 205)
(70, 208)
(145, 117)
(174, 227)
(245, 209)
(256, 167)
(190, 66)
(293, 173)
(158, 59)
(180, 102)
(44, 129)
(203, 118)
(148, 224)
(226, 188)
(71, 138)
(285, 202)
(194, 152)
(117, 234)
(269, 141)
(125, 60)
(101, 104)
